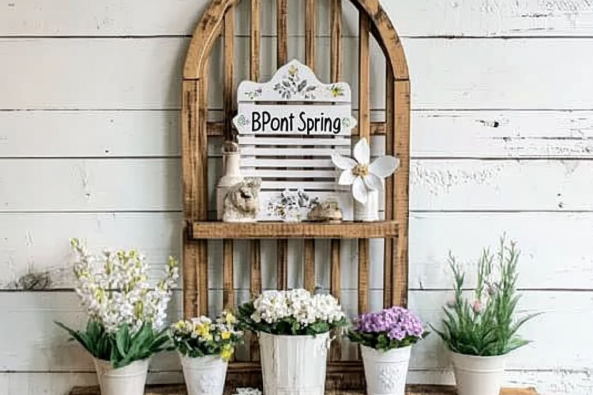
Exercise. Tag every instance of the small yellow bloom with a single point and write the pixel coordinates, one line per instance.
(225, 335)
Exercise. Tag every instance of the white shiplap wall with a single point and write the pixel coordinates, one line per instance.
(502, 134)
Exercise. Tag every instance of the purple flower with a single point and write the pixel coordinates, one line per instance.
(397, 322)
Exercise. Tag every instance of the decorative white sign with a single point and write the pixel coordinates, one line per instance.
(289, 145)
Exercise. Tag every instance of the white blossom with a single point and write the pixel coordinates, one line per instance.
(273, 306)
(363, 175)
(114, 289)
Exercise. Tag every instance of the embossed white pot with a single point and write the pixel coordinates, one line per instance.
(478, 375)
(293, 365)
(129, 380)
(204, 375)
(369, 211)
(386, 371)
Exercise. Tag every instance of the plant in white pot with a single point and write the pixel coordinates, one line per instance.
(293, 329)
(126, 316)
(386, 339)
(205, 348)
(481, 332)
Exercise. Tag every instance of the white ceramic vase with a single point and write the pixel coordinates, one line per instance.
(204, 375)
(129, 380)
(478, 375)
(386, 371)
(293, 365)
(231, 176)
(369, 211)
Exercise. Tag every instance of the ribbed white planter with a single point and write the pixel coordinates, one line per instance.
(204, 375)
(293, 365)
(478, 375)
(129, 380)
(386, 371)
(369, 211)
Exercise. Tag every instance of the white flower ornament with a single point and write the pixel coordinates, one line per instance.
(361, 174)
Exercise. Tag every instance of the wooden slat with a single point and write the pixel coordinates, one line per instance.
(294, 151)
(336, 290)
(401, 193)
(255, 40)
(202, 186)
(282, 265)
(255, 288)
(301, 230)
(190, 199)
(310, 33)
(309, 267)
(286, 174)
(364, 121)
(279, 141)
(228, 289)
(336, 40)
(294, 163)
(229, 56)
(389, 253)
(282, 31)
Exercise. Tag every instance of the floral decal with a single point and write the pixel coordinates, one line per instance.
(254, 94)
(336, 90)
(243, 121)
(292, 85)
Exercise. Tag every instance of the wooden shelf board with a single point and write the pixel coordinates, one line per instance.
(300, 230)
(411, 390)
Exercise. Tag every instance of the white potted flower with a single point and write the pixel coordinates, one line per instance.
(293, 329)
(386, 339)
(365, 177)
(126, 316)
(205, 348)
(482, 333)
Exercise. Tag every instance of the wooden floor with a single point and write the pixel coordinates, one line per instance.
(412, 390)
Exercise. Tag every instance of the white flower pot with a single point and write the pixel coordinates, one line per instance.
(293, 365)
(204, 375)
(386, 371)
(129, 380)
(478, 375)
(369, 211)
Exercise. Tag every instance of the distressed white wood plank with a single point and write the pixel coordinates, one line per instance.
(34, 333)
(294, 151)
(94, 184)
(288, 174)
(502, 134)
(558, 382)
(293, 163)
(35, 246)
(501, 185)
(435, 134)
(128, 74)
(316, 141)
(411, 18)
(89, 133)
(155, 184)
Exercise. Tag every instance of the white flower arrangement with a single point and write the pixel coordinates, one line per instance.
(123, 308)
(293, 312)
(363, 175)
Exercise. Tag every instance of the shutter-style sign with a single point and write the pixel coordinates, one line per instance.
(288, 128)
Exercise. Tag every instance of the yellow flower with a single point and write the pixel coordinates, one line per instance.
(202, 330)
(227, 352)
(225, 335)
(230, 319)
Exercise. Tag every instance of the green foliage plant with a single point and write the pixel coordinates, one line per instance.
(487, 326)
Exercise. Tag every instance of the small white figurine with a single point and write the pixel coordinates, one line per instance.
(241, 203)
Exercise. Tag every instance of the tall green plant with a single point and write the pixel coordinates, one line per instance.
(487, 326)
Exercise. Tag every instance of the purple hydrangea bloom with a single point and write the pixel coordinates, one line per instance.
(397, 322)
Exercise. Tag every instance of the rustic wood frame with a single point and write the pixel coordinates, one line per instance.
(218, 22)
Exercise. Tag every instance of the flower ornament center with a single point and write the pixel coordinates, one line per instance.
(360, 170)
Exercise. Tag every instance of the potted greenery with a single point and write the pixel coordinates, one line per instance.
(386, 338)
(293, 329)
(480, 335)
(126, 316)
(205, 348)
